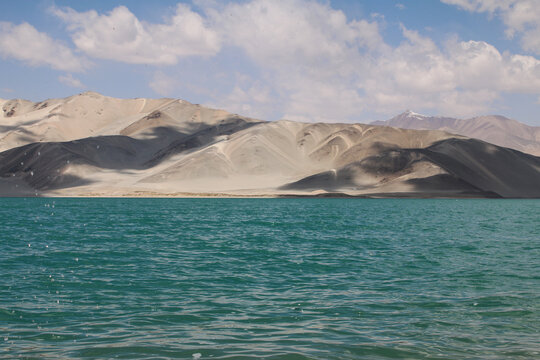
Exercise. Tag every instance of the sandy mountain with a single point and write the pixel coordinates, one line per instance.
(494, 129)
(91, 145)
(92, 114)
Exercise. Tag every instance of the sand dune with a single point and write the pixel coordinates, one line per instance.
(494, 129)
(91, 114)
(91, 145)
(459, 166)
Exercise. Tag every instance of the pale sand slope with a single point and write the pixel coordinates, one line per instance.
(497, 130)
(171, 147)
(91, 114)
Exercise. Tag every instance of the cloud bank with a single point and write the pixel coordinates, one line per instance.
(521, 17)
(119, 35)
(313, 63)
(328, 68)
(23, 42)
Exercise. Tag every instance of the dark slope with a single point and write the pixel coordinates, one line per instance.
(42, 165)
(473, 168)
(507, 172)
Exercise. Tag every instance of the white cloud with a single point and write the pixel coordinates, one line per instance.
(163, 84)
(299, 58)
(251, 101)
(520, 17)
(69, 80)
(321, 66)
(121, 36)
(461, 79)
(480, 5)
(307, 51)
(281, 32)
(319, 101)
(23, 42)
(400, 6)
(250, 97)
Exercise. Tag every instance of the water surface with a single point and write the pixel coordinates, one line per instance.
(269, 278)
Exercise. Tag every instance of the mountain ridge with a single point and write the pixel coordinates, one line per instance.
(92, 145)
(495, 129)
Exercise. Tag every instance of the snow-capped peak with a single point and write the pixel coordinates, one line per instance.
(410, 113)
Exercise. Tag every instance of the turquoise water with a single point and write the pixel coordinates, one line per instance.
(269, 278)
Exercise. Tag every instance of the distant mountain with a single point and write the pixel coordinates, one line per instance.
(93, 145)
(494, 129)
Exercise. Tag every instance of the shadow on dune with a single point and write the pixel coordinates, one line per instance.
(474, 168)
(507, 172)
(446, 184)
(199, 138)
(19, 128)
(42, 165)
(491, 168)
(363, 174)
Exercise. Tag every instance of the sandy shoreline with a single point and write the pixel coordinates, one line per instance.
(187, 195)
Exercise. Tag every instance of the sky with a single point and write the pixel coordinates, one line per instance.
(306, 60)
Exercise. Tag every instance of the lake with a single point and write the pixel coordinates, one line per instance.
(269, 278)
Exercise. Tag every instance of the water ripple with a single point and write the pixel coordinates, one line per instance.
(269, 278)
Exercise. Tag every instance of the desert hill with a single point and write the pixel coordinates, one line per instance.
(494, 129)
(92, 145)
(92, 114)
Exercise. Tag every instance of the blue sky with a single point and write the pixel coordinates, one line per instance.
(338, 61)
